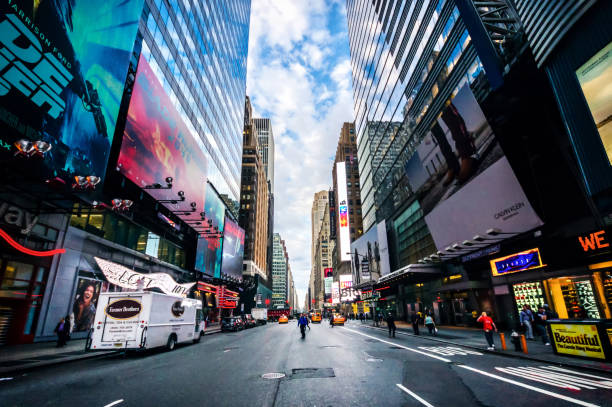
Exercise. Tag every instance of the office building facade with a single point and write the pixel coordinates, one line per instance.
(280, 262)
(266, 147)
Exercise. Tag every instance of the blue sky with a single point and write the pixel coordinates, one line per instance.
(299, 76)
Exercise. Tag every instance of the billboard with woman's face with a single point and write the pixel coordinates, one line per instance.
(84, 305)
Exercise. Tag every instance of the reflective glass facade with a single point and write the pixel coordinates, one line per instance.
(198, 50)
(408, 58)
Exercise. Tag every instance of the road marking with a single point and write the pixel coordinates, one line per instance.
(401, 346)
(527, 386)
(566, 379)
(114, 403)
(416, 396)
(482, 372)
(449, 350)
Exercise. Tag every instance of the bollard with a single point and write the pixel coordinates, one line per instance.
(502, 338)
(524, 344)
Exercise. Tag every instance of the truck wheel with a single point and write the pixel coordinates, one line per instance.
(171, 343)
(197, 340)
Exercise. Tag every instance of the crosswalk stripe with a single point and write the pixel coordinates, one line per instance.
(513, 372)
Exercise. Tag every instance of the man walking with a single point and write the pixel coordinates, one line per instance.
(302, 324)
(414, 318)
(526, 318)
(488, 326)
(540, 324)
(391, 324)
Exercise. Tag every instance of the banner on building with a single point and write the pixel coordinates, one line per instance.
(370, 254)
(209, 252)
(233, 249)
(343, 213)
(335, 292)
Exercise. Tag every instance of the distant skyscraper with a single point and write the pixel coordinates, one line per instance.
(280, 261)
(266, 147)
(201, 63)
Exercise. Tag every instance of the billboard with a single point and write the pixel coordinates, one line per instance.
(371, 254)
(595, 76)
(343, 213)
(233, 249)
(63, 67)
(335, 292)
(209, 253)
(157, 144)
(84, 305)
(328, 289)
(462, 179)
(526, 260)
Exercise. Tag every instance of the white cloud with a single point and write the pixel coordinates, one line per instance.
(299, 76)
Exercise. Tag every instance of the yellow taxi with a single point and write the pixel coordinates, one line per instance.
(283, 319)
(339, 319)
(316, 317)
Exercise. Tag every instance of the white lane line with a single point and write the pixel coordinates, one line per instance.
(482, 372)
(560, 369)
(400, 346)
(416, 396)
(527, 386)
(114, 403)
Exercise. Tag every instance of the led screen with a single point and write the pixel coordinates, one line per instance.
(233, 249)
(209, 253)
(371, 254)
(343, 213)
(63, 66)
(595, 77)
(157, 144)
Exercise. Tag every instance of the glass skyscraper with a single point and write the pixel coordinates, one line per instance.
(408, 59)
(198, 50)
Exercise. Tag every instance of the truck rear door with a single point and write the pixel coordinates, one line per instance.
(121, 319)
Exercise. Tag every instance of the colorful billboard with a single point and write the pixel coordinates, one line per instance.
(209, 253)
(577, 340)
(335, 292)
(343, 213)
(63, 67)
(462, 179)
(371, 254)
(233, 249)
(595, 77)
(328, 289)
(157, 144)
(527, 260)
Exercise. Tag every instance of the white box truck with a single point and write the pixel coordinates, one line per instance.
(260, 315)
(144, 320)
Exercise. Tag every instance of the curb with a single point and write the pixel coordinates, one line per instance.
(510, 355)
(94, 355)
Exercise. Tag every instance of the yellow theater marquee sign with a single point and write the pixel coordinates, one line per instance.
(578, 340)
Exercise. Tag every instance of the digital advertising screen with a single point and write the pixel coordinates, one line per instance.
(233, 249)
(464, 182)
(343, 213)
(63, 70)
(371, 254)
(209, 252)
(157, 144)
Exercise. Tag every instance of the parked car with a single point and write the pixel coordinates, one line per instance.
(249, 321)
(232, 324)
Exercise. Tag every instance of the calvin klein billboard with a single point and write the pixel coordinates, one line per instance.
(463, 180)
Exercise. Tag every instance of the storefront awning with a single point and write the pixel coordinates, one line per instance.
(411, 268)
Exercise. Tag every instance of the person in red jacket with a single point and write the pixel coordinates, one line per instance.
(488, 326)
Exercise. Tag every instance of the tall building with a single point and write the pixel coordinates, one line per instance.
(317, 213)
(253, 215)
(199, 55)
(266, 147)
(280, 261)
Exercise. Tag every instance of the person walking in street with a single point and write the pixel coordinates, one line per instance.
(540, 324)
(488, 326)
(414, 318)
(331, 319)
(63, 331)
(430, 324)
(302, 324)
(391, 324)
(526, 319)
(362, 317)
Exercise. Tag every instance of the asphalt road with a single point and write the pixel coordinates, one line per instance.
(341, 366)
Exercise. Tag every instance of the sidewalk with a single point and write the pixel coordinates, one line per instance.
(474, 338)
(16, 358)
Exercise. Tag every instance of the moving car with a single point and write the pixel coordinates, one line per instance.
(283, 319)
(339, 319)
(232, 324)
(316, 318)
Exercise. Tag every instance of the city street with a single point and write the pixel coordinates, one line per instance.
(353, 365)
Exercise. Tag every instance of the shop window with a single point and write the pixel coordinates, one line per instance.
(16, 279)
(79, 221)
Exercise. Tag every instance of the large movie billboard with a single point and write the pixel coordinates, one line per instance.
(233, 249)
(209, 252)
(371, 254)
(343, 213)
(157, 144)
(63, 66)
(463, 180)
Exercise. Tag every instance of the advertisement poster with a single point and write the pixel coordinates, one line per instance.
(123, 319)
(63, 69)
(233, 249)
(595, 77)
(209, 253)
(157, 144)
(343, 213)
(84, 305)
(328, 289)
(371, 254)
(335, 292)
(464, 183)
(577, 340)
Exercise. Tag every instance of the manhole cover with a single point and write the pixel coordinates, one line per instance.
(312, 373)
(273, 375)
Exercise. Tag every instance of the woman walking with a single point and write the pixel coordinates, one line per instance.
(488, 326)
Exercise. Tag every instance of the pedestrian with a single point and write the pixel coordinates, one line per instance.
(540, 324)
(414, 318)
(391, 324)
(526, 319)
(431, 326)
(63, 331)
(488, 326)
(302, 324)
(362, 317)
(550, 314)
(331, 319)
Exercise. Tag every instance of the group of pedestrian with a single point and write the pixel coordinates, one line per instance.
(536, 321)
